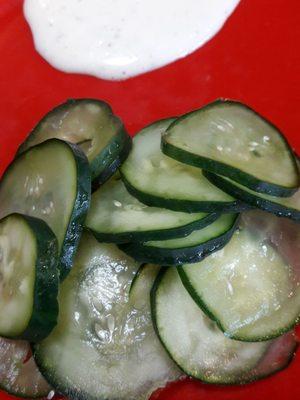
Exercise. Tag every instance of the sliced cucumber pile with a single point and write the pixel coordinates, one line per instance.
(159, 181)
(251, 288)
(116, 216)
(91, 125)
(200, 348)
(189, 249)
(50, 181)
(103, 347)
(19, 374)
(191, 278)
(228, 138)
(28, 278)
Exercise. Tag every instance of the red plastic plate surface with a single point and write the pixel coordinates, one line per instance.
(255, 59)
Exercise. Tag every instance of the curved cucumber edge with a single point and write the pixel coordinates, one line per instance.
(80, 209)
(227, 170)
(45, 304)
(252, 199)
(188, 206)
(205, 308)
(175, 257)
(162, 234)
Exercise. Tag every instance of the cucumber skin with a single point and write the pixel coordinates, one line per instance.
(101, 167)
(252, 200)
(204, 307)
(136, 276)
(240, 382)
(45, 305)
(163, 234)
(175, 257)
(79, 213)
(218, 167)
(188, 206)
(121, 147)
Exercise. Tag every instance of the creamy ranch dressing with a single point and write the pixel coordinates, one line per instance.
(118, 39)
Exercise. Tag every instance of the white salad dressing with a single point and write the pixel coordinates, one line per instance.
(118, 39)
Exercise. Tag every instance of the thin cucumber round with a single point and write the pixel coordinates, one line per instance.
(19, 374)
(92, 125)
(251, 288)
(194, 247)
(103, 347)
(50, 181)
(288, 207)
(197, 345)
(159, 181)
(140, 288)
(116, 216)
(28, 278)
(230, 139)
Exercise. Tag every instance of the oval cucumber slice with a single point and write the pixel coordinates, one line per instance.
(193, 247)
(28, 278)
(92, 125)
(19, 374)
(103, 347)
(230, 139)
(116, 216)
(50, 181)
(197, 345)
(252, 286)
(288, 207)
(160, 181)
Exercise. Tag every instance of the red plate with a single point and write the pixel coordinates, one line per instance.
(255, 59)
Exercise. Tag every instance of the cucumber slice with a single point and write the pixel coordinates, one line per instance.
(92, 125)
(141, 286)
(159, 181)
(230, 139)
(19, 374)
(197, 345)
(102, 347)
(117, 217)
(288, 207)
(28, 278)
(194, 247)
(251, 288)
(50, 181)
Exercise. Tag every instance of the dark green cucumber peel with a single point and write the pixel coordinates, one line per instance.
(45, 304)
(218, 167)
(136, 276)
(246, 378)
(121, 153)
(163, 234)
(116, 150)
(154, 289)
(80, 210)
(204, 307)
(175, 257)
(188, 206)
(254, 200)
(80, 207)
